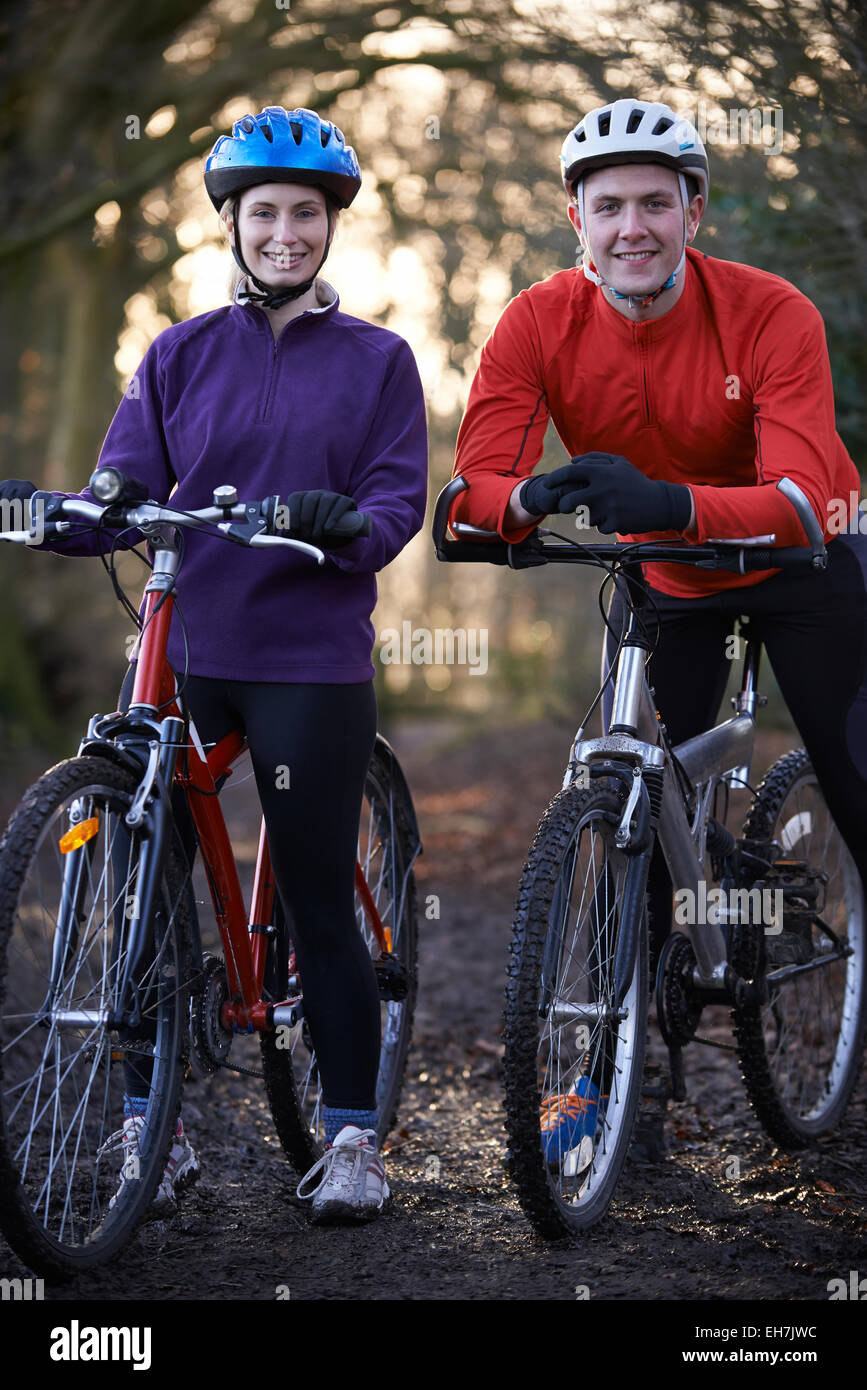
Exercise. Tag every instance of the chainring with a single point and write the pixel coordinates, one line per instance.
(678, 1009)
(209, 1040)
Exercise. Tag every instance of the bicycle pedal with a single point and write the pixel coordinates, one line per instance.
(391, 977)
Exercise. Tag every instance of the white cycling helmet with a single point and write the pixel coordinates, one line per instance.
(633, 132)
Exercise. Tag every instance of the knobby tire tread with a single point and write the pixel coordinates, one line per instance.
(525, 1161)
(747, 1021)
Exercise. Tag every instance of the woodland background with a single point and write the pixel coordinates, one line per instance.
(457, 110)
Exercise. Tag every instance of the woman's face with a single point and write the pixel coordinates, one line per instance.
(284, 229)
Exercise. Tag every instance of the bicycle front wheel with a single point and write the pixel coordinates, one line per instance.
(573, 1050)
(801, 1050)
(69, 885)
(387, 847)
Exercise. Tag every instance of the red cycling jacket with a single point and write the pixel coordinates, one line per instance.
(729, 392)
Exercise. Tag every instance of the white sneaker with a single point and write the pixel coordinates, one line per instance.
(352, 1186)
(182, 1167)
(181, 1171)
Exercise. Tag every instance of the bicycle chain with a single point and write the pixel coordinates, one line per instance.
(246, 1071)
(143, 1046)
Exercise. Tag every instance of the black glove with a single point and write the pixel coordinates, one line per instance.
(313, 516)
(552, 492)
(16, 489)
(621, 498)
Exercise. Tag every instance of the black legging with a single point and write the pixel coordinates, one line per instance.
(814, 628)
(324, 736)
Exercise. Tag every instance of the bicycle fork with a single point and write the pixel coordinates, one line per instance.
(150, 814)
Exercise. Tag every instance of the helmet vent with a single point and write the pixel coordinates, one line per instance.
(324, 134)
(605, 123)
(635, 119)
(297, 131)
(580, 133)
(268, 134)
(662, 126)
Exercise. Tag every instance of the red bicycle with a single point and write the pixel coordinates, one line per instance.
(99, 934)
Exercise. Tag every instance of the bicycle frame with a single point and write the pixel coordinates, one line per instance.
(245, 939)
(633, 747)
(722, 753)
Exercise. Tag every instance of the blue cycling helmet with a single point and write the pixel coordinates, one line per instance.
(280, 146)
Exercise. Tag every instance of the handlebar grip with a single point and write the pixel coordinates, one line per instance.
(481, 552)
(773, 558)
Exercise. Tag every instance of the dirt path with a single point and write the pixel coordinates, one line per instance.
(683, 1228)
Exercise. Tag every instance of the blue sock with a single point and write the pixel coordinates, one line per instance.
(335, 1117)
(138, 1105)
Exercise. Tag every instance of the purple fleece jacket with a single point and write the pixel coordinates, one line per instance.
(334, 403)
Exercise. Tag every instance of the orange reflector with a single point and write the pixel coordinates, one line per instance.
(387, 934)
(79, 835)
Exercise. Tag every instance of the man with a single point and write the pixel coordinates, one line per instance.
(683, 388)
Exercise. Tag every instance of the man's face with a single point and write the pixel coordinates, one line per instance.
(634, 217)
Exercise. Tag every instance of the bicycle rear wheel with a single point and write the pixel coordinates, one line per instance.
(69, 884)
(800, 1051)
(387, 847)
(573, 1056)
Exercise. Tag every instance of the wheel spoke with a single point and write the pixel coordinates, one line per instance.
(799, 1051)
(568, 1135)
(61, 1079)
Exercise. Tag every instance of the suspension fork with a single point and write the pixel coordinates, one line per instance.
(631, 922)
(75, 876)
(151, 811)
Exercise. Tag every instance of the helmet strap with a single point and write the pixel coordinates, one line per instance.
(268, 296)
(593, 275)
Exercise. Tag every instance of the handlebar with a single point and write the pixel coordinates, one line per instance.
(244, 523)
(475, 545)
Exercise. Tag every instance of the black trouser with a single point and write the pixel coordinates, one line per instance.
(814, 628)
(318, 739)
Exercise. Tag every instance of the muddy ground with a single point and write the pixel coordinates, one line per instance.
(681, 1228)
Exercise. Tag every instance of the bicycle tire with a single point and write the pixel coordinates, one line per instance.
(388, 845)
(796, 1100)
(60, 1097)
(556, 971)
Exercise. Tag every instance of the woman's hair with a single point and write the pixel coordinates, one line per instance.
(236, 274)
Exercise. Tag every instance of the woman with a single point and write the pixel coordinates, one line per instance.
(280, 392)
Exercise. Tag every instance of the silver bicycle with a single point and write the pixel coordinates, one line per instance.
(771, 924)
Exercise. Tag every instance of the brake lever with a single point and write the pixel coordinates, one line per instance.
(243, 532)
